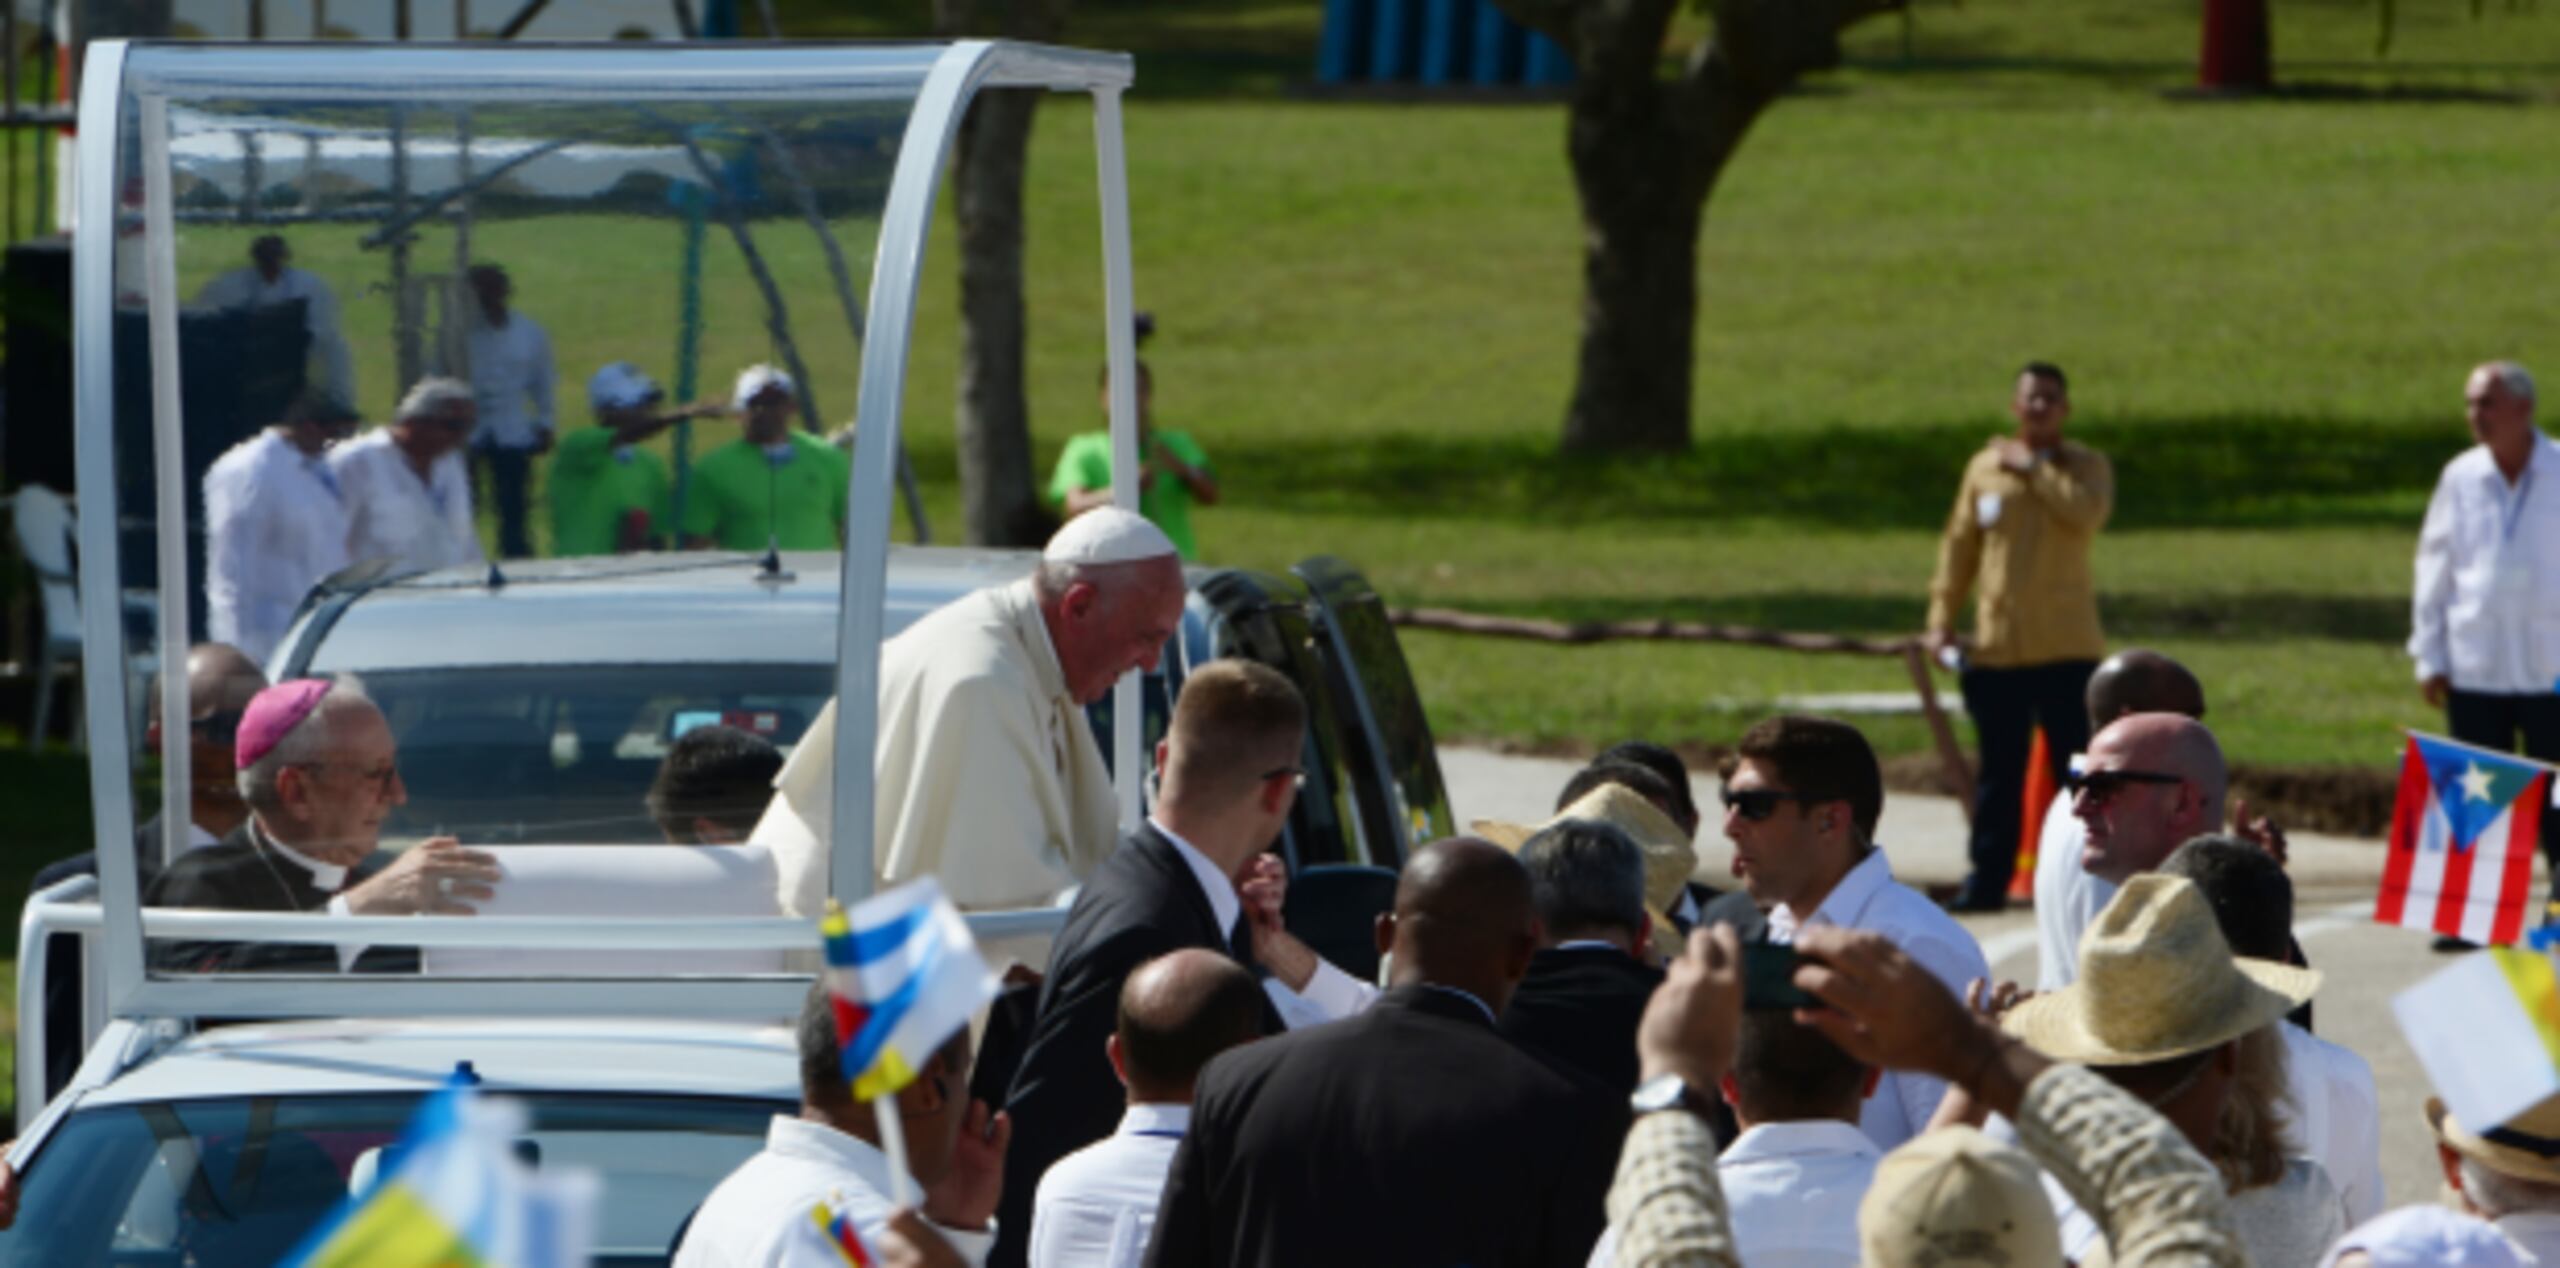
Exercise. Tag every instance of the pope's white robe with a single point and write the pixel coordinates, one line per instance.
(987, 773)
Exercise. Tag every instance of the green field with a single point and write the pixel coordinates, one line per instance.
(1368, 310)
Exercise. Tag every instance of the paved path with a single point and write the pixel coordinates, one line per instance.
(1924, 837)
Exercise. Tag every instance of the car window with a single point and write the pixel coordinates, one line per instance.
(240, 1181)
(565, 754)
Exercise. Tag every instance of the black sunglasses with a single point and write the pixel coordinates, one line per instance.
(1756, 804)
(2099, 785)
(221, 728)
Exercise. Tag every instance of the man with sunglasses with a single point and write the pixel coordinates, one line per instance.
(2149, 783)
(1802, 797)
(275, 524)
(320, 771)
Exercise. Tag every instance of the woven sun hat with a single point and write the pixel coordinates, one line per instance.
(1669, 857)
(1953, 1197)
(2156, 982)
(2526, 1147)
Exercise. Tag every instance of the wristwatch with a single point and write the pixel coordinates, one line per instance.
(1666, 1092)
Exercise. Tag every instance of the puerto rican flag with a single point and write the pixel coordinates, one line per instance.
(2463, 834)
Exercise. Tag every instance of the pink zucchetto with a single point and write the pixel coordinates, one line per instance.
(273, 714)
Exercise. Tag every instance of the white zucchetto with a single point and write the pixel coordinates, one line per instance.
(1107, 535)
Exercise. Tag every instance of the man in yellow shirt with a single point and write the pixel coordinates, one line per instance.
(2019, 537)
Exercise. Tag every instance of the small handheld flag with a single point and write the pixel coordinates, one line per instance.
(2487, 1029)
(2464, 830)
(836, 1230)
(904, 976)
(457, 1194)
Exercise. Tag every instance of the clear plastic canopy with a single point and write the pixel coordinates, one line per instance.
(304, 235)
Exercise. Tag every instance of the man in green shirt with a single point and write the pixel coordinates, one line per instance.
(1173, 471)
(608, 495)
(775, 486)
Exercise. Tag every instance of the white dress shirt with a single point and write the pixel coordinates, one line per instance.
(392, 514)
(511, 381)
(759, 1216)
(2068, 898)
(275, 525)
(332, 370)
(1331, 994)
(1791, 1194)
(2534, 1234)
(1869, 898)
(1097, 1206)
(2486, 609)
(2336, 1117)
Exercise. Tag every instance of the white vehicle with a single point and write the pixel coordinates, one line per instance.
(179, 1142)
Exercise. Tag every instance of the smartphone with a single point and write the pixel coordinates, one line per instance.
(1768, 977)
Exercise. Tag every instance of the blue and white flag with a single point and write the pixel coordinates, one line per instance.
(905, 976)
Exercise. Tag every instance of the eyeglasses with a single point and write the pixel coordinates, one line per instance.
(221, 728)
(381, 777)
(1756, 804)
(2098, 785)
(1297, 776)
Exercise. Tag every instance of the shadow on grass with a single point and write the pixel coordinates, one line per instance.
(2215, 472)
(2129, 617)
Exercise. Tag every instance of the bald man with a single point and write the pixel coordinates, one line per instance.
(1412, 1133)
(2151, 781)
(220, 683)
(1094, 1209)
(2068, 898)
(986, 773)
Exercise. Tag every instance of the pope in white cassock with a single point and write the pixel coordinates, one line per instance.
(988, 775)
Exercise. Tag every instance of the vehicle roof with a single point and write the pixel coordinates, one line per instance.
(640, 609)
(311, 1058)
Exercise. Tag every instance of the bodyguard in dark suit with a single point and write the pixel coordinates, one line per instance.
(1227, 773)
(1413, 1134)
(1586, 990)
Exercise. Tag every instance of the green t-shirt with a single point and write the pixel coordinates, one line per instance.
(1085, 465)
(596, 485)
(740, 496)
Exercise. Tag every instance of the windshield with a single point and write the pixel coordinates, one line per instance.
(478, 310)
(239, 1181)
(569, 754)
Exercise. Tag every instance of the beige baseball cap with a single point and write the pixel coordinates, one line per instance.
(1955, 1197)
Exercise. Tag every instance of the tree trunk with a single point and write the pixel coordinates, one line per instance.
(998, 489)
(1000, 502)
(1640, 218)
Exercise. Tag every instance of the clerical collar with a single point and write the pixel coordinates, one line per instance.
(328, 878)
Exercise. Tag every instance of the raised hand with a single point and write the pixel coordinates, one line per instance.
(437, 878)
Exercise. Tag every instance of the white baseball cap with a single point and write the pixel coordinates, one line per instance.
(621, 385)
(753, 381)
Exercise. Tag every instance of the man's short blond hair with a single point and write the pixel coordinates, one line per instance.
(1234, 723)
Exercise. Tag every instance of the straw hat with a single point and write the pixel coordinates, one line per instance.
(1669, 856)
(1955, 1196)
(2157, 981)
(2526, 1146)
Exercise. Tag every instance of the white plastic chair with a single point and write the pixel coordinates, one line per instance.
(44, 525)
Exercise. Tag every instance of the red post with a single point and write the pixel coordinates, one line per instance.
(2239, 49)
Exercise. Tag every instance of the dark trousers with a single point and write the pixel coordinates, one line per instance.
(2007, 705)
(510, 470)
(2495, 722)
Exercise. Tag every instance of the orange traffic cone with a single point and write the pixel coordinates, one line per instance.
(2039, 797)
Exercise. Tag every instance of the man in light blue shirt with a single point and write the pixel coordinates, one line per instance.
(1096, 1207)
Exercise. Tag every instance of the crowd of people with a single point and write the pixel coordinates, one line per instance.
(1575, 1049)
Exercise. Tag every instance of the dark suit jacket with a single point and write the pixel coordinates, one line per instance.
(1413, 1135)
(1143, 902)
(1580, 1007)
(242, 875)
